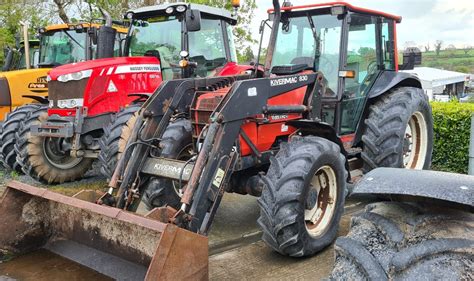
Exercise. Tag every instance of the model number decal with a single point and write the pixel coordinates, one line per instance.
(288, 80)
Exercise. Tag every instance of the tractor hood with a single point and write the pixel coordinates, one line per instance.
(108, 66)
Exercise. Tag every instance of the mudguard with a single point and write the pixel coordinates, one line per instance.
(443, 186)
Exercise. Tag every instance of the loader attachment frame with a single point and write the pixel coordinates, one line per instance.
(111, 241)
(217, 157)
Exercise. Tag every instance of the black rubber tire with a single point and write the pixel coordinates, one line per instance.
(406, 241)
(160, 192)
(31, 155)
(285, 191)
(383, 138)
(113, 142)
(10, 126)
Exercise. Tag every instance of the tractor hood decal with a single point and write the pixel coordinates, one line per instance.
(104, 63)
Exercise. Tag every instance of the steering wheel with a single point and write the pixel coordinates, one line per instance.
(371, 70)
(327, 65)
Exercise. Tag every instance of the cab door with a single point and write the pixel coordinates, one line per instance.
(367, 39)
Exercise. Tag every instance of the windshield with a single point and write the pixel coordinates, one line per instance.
(163, 34)
(311, 40)
(62, 47)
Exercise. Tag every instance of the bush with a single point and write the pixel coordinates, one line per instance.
(452, 126)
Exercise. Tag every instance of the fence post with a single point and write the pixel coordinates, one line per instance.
(471, 148)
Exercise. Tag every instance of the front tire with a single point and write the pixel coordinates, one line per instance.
(399, 131)
(42, 158)
(303, 196)
(176, 143)
(9, 128)
(113, 142)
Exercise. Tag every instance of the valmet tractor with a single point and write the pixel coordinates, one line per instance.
(328, 104)
(58, 44)
(167, 41)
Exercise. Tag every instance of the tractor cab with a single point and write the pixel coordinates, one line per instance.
(71, 43)
(352, 47)
(15, 57)
(190, 40)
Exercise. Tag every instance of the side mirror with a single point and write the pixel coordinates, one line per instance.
(193, 20)
(411, 57)
(92, 32)
(8, 59)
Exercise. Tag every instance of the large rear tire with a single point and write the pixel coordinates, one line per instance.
(303, 196)
(402, 241)
(9, 128)
(176, 143)
(113, 142)
(42, 158)
(399, 131)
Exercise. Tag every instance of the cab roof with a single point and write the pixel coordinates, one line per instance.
(68, 26)
(205, 10)
(350, 7)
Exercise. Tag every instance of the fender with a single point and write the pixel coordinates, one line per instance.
(323, 130)
(42, 100)
(386, 81)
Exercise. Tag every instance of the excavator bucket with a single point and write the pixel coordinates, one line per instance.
(113, 242)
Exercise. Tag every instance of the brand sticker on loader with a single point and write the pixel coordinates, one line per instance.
(288, 80)
(218, 178)
(252, 92)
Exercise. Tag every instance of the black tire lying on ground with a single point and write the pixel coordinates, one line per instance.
(9, 128)
(396, 119)
(406, 241)
(176, 143)
(113, 142)
(50, 168)
(307, 172)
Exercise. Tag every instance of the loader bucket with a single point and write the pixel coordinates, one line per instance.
(111, 241)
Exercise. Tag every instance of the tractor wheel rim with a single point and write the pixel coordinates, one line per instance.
(56, 156)
(184, 155)
(415, 142)
(317, 218)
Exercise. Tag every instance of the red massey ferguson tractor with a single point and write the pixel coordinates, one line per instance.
(164, 42)
(330, 102)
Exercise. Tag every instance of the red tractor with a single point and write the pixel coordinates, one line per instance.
(164, 42)
(331, 101)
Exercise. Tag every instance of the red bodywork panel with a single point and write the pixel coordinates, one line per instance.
(262, 134)
(129, 75)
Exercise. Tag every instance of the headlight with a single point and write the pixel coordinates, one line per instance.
(169, 10)
(75, 76)
(181, 9)
(70, 103)
(51, 103)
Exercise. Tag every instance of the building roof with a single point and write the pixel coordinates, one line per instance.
(438, 77)
(212, 11)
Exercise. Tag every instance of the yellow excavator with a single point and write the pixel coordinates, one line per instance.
(57, 45)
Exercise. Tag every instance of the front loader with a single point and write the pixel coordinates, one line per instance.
(322, 111)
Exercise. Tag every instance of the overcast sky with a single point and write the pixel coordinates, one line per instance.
(423, 20)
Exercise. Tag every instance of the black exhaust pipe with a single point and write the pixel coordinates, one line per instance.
(106, 37)
(273, 37)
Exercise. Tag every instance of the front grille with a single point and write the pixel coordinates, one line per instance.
(5, 97)
(204, 104)
(66, 90)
